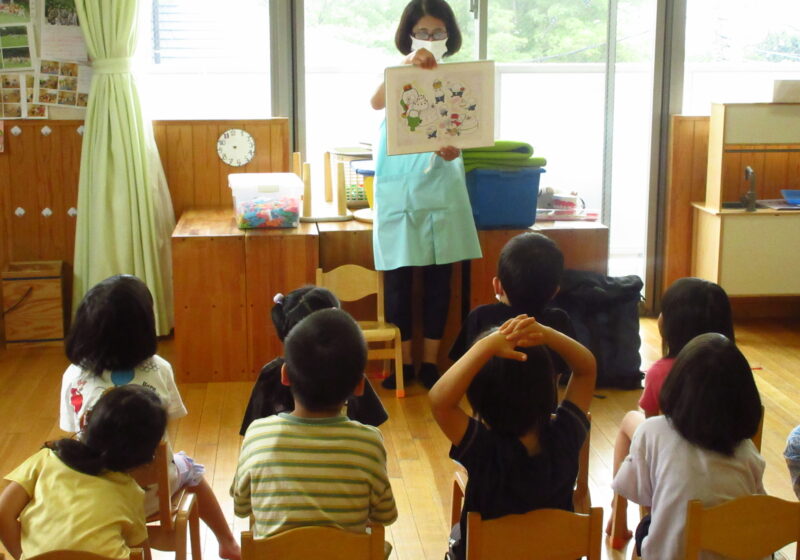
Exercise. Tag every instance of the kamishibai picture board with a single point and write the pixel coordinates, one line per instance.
(450, 105)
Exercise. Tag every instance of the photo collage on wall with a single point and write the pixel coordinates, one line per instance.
(60, 78)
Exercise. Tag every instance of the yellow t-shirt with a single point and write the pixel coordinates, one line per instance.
(70, 510)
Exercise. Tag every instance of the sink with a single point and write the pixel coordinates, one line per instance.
(738, 205)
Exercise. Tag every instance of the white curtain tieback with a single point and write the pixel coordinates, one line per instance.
(112, 65)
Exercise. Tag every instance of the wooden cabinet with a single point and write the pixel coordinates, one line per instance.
(747, 253)
(225, 279)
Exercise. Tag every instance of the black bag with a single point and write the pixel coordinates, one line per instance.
(605, 313)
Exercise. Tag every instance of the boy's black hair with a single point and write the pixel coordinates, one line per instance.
(710, 395)
(114, 327)
(416, 10)
(122, 432)
(530, 268)
(325, 359)
(690, 307)
(514, 397)
(299, 304)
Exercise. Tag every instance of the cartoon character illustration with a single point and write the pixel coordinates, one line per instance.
(407, 98)
(415, 112)
(438, 92)
(431, 132)
(470, 104)
(457, 89)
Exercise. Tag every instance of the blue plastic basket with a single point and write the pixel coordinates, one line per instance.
(504, 199)
(791, 196)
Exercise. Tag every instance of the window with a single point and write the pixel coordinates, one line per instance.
(205, 60)
(736, 49)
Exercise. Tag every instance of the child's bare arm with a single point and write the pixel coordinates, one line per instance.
(580, 388)
(446, 395)
(378, 100)
(12, 501)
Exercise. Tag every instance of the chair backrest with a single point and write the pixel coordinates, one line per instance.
(351, 282)
(157, 472)
(543, 534)
(744, 528)
(136, 554)
(315, 542)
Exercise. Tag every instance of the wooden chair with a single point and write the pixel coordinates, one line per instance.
(351, 282)
(744, 528)
(619, 507)
(581, 496)
(542, 534)
(136, 554)
(167, 529)
(315, 542)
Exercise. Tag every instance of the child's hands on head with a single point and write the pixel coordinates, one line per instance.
(521, 331)
(422, 58)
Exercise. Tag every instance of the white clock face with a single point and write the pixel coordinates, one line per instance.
(236, 147)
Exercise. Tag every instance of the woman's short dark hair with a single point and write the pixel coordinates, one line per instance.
(122, 432)
(416, 10)
(514, 397)
(710, 395)
(692, 306)
(299, 304)
(114, 327)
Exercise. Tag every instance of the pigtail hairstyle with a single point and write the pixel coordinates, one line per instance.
(299, 304)
(114, 327)
(122, 432)
(690, 307)
(710, 396)
(416, 10)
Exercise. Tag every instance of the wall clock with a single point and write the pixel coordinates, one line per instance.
(236, 147)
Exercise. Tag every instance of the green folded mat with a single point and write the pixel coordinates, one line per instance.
(503, 165)
(519, 149)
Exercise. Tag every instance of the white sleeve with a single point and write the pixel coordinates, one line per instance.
(175, 407)
(68, 419)
(633, 478)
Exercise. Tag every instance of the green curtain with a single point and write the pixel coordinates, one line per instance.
(125, 215)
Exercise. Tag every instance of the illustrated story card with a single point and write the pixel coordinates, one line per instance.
(450, 105)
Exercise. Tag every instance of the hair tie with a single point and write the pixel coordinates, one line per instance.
(278, 298)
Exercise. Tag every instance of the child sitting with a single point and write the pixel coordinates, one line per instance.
(518, 458)
(528, 276)
(690, 307)
(700, 449)
(112, 342)
(77, 494)
(314, 466)
(270, 396)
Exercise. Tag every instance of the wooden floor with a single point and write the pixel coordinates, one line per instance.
(419, 469)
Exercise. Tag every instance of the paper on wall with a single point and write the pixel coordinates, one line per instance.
(17, 47)
(17, 97)
(62, 37)
(63, 84)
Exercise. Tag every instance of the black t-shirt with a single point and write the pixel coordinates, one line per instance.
(270, 396)
(504, 479)
(484, 317)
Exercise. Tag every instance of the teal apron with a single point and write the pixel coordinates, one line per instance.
(422, 211)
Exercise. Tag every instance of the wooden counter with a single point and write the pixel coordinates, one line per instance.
(225, 279)
(747, 253)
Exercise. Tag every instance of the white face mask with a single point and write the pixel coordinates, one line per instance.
(436, 48)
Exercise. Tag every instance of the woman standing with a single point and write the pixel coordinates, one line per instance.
(422, 212)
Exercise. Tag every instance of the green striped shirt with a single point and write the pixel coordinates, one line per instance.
(296, 472)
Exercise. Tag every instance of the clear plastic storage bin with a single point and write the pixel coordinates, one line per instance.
(266, 200)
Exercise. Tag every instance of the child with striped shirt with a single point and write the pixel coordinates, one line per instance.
(315, 466)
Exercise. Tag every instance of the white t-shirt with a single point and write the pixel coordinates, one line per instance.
(81, 389)
(665, 471)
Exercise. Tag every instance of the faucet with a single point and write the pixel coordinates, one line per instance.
(749, 198)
